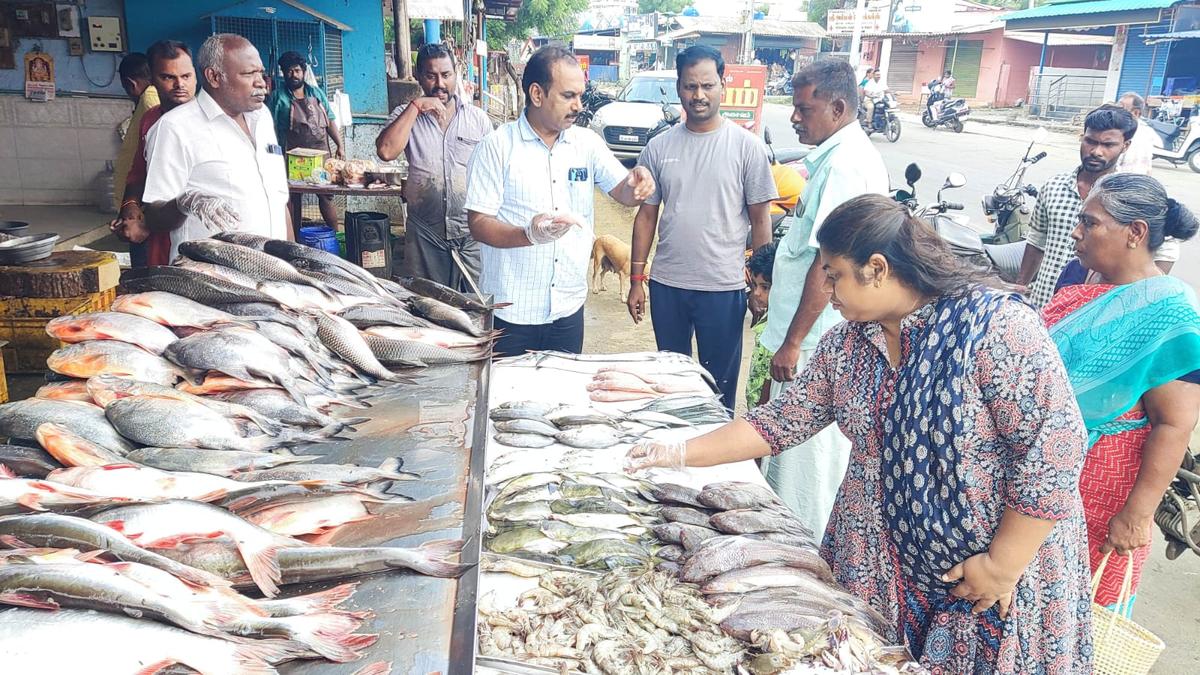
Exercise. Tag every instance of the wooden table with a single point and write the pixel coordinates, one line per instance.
(302, 188)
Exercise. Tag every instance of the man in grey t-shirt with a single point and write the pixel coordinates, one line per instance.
(714, 184)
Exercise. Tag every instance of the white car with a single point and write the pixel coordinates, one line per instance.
(625, 123)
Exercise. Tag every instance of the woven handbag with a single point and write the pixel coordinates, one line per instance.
(1122, 647)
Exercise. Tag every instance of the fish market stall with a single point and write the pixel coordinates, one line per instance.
(269, 457)
(588, 569)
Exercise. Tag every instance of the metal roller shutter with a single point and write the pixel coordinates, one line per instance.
(902, 68)
(962, 59)
(1143, 67)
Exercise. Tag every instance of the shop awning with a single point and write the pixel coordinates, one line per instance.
(1069, 14)
(1171, 37)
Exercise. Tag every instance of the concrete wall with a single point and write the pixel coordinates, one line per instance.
(53, 152)
(363, 49)
(69, 71)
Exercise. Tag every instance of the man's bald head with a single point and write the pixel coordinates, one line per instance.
(233, 73)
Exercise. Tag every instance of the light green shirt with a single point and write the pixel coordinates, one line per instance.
(845, 166)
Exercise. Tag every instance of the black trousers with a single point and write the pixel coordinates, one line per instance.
(563, 335)
(715, 318)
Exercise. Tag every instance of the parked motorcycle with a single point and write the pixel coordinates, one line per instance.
(670, 117)
(780, 86)
(1010, 206)
(949, 114)
(1003, 260)
(1178, 515)
(593, 99)
(786, 170)
(883, 118)
(1180, 142)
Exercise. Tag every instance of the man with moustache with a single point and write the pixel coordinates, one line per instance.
(714, 186)
(437, 134)
(214, 163)
(174, 79)
(844, 165)
(303, 119)
(530, 188)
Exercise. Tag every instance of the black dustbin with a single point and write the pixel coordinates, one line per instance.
(369, 242)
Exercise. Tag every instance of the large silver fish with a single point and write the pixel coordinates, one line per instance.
(343, 339)
(722, 554)
(163, 422)
(413, 353)
(172, 310)
(445, 315)
(252, 262)
(216, 462)
(277, 405)
(104, 389)
(190, 284)
(111, 357)
(21, 419)
(129, 328)
(238, 352)
(290, 251)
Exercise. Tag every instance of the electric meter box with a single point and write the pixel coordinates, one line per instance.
(104, 32)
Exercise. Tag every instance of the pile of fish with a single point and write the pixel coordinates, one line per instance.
(629, 620)
(749, 555)
(588, 521)
(618, 383)
(833, 646)
(156, 475)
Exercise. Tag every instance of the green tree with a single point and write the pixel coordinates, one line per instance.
(551, 18)
(663, 6)
(818, 8)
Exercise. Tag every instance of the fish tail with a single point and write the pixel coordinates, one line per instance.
(259, 656)
(263, 565)
(431, 558)
(312, 603)
(329, 635)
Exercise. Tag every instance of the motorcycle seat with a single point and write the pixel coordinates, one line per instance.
(1167, 130)
(962, 238)
(1006, 258)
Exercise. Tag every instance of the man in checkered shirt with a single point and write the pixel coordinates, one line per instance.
(530, 188)
(1106, 134)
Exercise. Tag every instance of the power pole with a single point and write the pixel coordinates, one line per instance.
(856, 36)
(402, 50)
(748, 36)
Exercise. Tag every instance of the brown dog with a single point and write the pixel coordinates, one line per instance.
(610, 254)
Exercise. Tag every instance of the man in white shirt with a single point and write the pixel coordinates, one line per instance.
(843, 165)
(214, 164)
(1140, 154)
(530, 205)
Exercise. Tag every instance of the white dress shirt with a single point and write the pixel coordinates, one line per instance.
(197, 146)
(1140, 154)
(513, 177)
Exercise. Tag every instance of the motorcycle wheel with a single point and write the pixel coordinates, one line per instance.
(893, 130)
(927, 119)
(1194, 160)
(957, 125)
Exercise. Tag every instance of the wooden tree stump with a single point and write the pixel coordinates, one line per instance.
(62, 275)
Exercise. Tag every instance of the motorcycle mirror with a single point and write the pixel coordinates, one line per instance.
(767, 136)
(1039, 136)
(955, 180)
(912, 174)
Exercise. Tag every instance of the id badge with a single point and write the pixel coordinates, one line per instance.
(577, 175)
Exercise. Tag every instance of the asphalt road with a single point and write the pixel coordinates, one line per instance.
(987, 154)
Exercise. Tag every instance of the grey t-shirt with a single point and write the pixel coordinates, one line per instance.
(704, 184)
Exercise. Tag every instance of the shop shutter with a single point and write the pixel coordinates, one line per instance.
(962, 59)
(335, 77)
(1143, 67)
(902, 68)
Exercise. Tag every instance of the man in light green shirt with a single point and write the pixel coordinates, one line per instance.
(844, 165)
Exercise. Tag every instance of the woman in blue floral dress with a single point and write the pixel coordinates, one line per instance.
(959, 517)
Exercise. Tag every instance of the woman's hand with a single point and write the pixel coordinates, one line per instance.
(1128, 531)
(667, 455)
(984, 581)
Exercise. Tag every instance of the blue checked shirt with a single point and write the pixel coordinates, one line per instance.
(513, 176)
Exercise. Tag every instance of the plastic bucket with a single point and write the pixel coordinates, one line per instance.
(14, 228)
(319, 237)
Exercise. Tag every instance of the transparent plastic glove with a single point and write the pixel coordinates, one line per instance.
(545, 227)
(212, 211)
(667, 455)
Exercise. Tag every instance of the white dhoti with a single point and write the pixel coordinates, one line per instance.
(807, 476)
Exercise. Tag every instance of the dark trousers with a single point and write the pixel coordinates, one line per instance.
(563, 335)
(715, 317)
(137, 254)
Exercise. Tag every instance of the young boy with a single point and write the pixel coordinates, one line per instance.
(758, 286)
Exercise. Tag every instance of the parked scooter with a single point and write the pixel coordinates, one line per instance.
(786, 170)
(1003, 260)
(948, 114)
(1009, 208)
(593, 99)
(883, 118)
(1178, 515)
(1180, 142)
(780, 86)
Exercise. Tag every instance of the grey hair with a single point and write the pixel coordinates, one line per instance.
(830, 79)
(1139, 103)
(1130, 196)
(212, 52)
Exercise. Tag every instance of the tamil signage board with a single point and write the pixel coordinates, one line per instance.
(840, 21)
(743, 102)
(641, 26)
(445, 10)
(896, 16)
(597, 43)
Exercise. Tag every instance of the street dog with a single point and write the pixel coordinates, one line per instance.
(610, 254)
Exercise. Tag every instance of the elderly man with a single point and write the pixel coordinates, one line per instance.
(1140, 155)
(174, 78)
(437, 134)
(303, 119)
(214, 164)
(530, 204)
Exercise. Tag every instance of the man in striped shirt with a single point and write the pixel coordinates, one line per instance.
(530, 205)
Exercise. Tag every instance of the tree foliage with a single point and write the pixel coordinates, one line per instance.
(664, 6)
(552, 18)
(818, 8)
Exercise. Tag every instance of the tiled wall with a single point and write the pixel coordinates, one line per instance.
(54, 152)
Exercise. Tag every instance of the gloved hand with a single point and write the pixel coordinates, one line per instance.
(668, 455)
(213, 211)
(546, 227)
